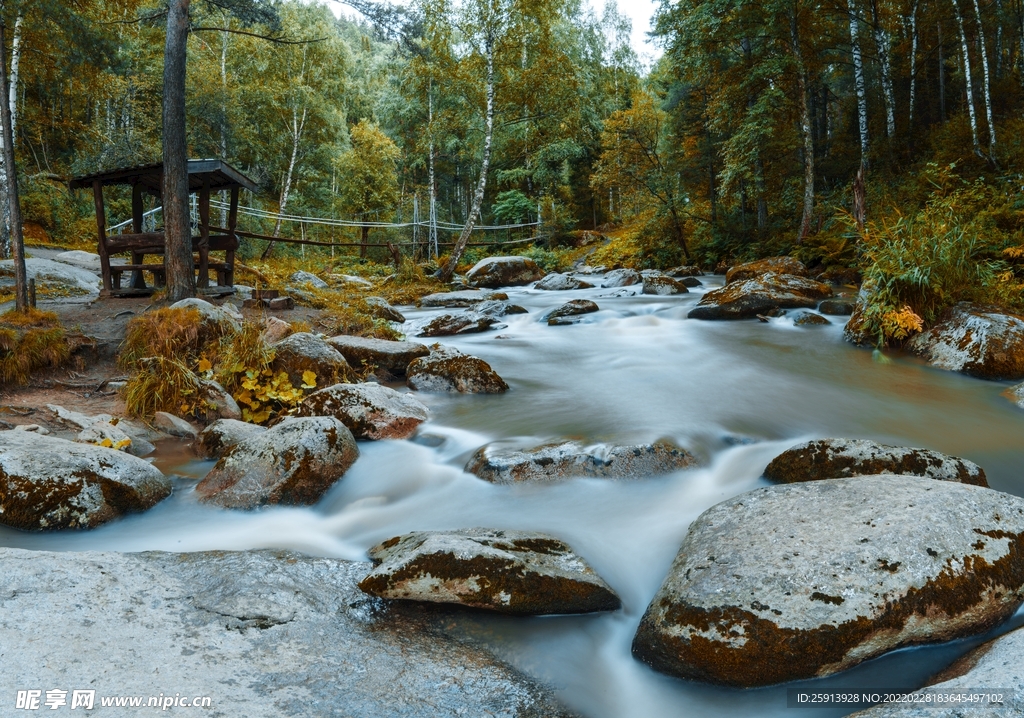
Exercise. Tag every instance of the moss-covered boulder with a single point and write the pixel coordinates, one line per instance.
(661, 285)
(448, 370)
(572, 308)
(569, 459)
(622, 278)
(765, 293)
(370, 411)
(504, 272)
(50, 483)
(215, 440)
(984, 342)
(382, 309)
(506, 571)
(301, 352)
(446, 325)
(842, 458)
(805, 580)
(294, 462)
(388, 356)
(775, 265)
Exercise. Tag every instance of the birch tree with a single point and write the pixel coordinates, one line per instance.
(988, 92)
(859, 83)
(965, 57)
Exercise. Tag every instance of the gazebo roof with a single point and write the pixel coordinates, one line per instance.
(220, 174)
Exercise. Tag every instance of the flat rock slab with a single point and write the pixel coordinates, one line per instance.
(778, 265)
(504, 272)
(301, 352)
(48, 483)
(765, 293)
(570, 459)
(994, 667)
(48, 273)
(506, 571)
(842, 458)
(561, 282)
(980, 341)
(222, 434)
(806, 580)
(455, 300)
(446, 325)
(392, 357)
(294, 462)
(370, 411)
(448, 370)
(263, 634)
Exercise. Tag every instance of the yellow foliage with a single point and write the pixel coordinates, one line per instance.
(901, 324)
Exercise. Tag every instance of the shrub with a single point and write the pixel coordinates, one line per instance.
(29, 341)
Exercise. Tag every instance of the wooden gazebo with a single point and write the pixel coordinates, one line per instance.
(204, 177)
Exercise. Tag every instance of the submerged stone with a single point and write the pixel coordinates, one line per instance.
(511, 572)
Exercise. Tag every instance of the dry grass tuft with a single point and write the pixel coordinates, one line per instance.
(29, 341)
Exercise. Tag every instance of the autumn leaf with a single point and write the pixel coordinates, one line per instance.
(308, 379)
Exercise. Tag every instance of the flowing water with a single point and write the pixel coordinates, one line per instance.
(735, 393)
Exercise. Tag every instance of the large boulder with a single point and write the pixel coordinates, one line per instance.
(266, 634)
(765, 293)
(562, 282)
(512, 572)
(805, 580)
(855, 330)
(220, 321)
(461, 299)
(504, 272)
(448, 370)
(381, 309)
(842, 458)
(293, 462)
(776, 265)
(56, 276)
(370, 411)
(50, 483)
(622, 278)
(301, 352)
(221, 435)
(389, 356)
(569, 459)
(445, 325)
(983, 342)
(661, 285)
(987, 682)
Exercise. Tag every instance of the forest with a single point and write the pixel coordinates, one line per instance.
(745, 139)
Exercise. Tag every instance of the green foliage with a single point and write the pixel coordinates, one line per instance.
(513, 207)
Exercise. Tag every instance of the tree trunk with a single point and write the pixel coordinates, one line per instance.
(298, 125)
(913, 68)
(432, 236)
(17, 241)
(364, 240)
(859, 84)
(805, 126)
(942, 78)
(967, 78)
(15, 65)
(988, 94)
(478, 197)
(181, 281)
(882, 44)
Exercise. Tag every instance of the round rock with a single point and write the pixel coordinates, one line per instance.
(370, 411)
(504, 272)
(301, 352)
(661, 285)
(561, 282)
(222, 434)
(448, 370)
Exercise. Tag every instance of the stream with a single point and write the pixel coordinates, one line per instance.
(735, 394)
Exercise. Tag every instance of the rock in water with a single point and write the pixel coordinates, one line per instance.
(806, 580)
(292, 637)
(497, 309)
(776, 265)
(681, 272)
(301, 352)
(562, 282)
(446, 325)
(173, 425)
(661, 285)
(842, 458)
(571, 308)
(569, 459)
(49, 483)
(222, 434)
(525, 574)
(381, 309)
(765, 293)
(504, 272)
(622, 278)
(449, 370)
(837, 307)
(370, 411)
(391, 357)
(809, 319)
(293, 462)
(984, 342)
(456, 300)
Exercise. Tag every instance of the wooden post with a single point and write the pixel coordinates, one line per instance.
(229, 256)
(101, 226)
(138, 281)
(32, 293)
(204, 233)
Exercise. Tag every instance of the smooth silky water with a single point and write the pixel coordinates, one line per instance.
(735, 393)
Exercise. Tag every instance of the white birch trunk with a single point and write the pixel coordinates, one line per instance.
(967, 78)
(808, 138)
(882, 42)
(988, 93)
(859, 84)
(15, 65)
(913, 66)
(298, 124)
